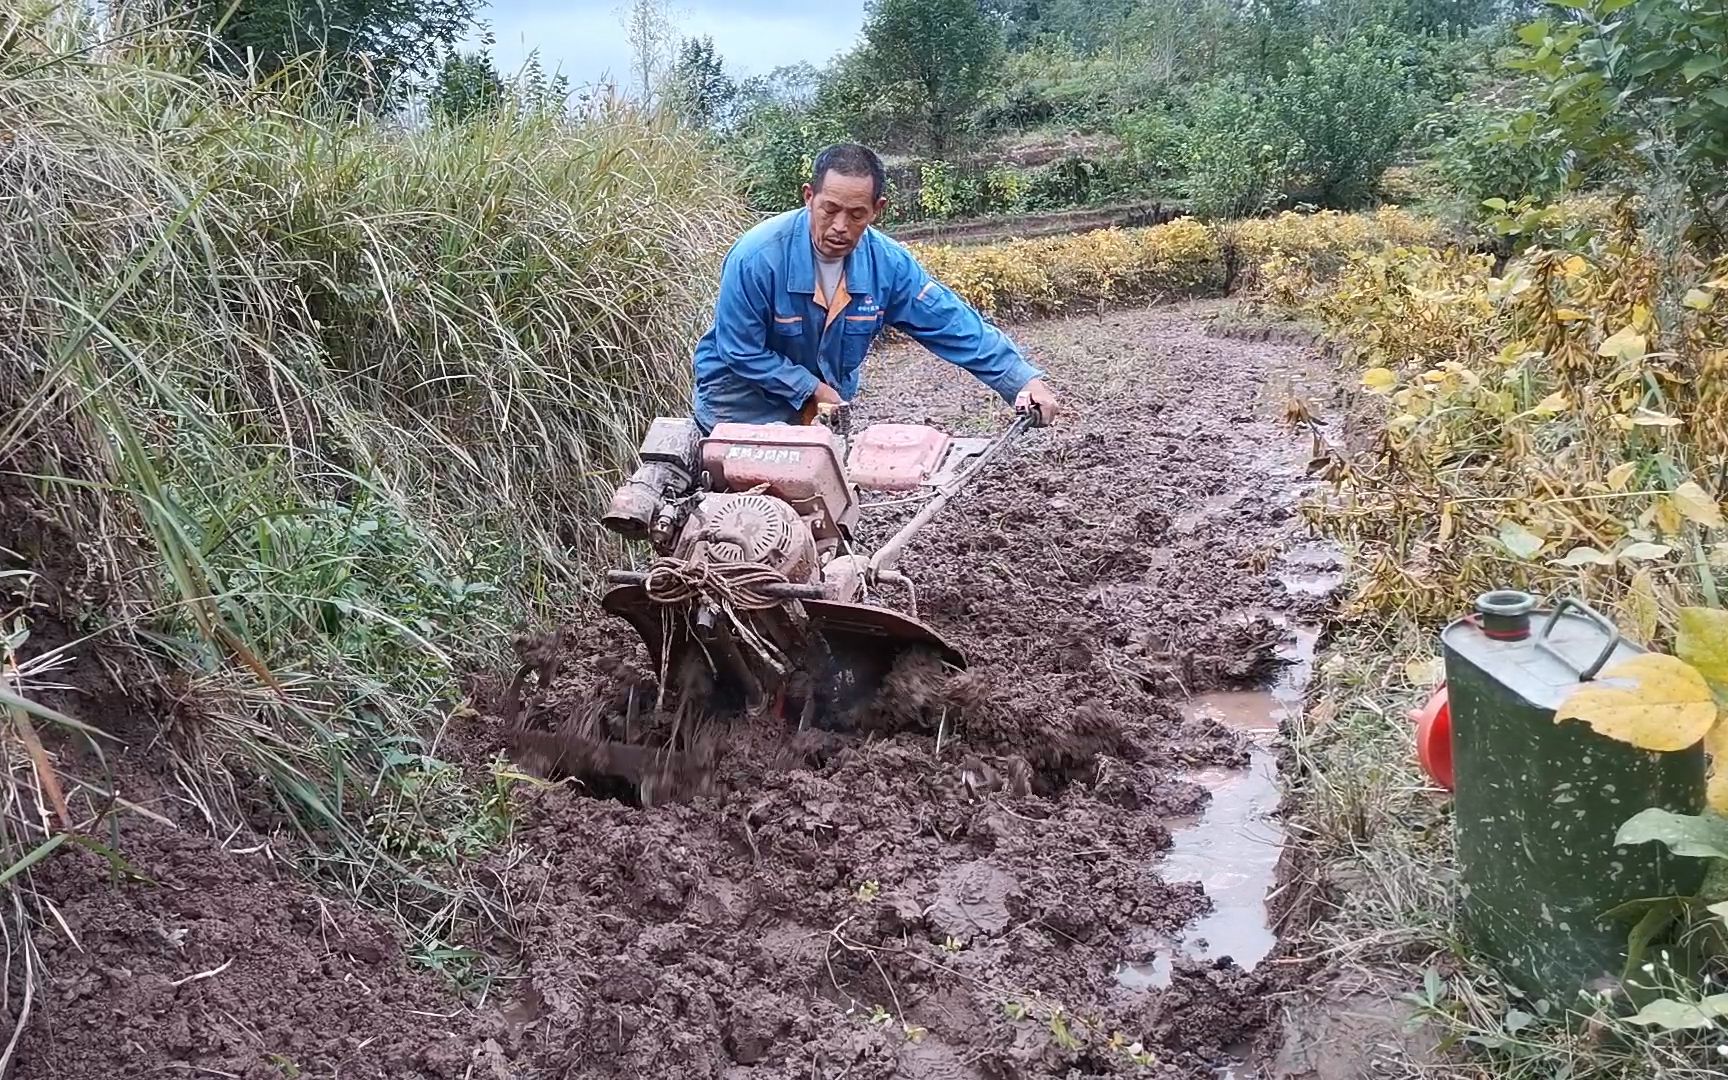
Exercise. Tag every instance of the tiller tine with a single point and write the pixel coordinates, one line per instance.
(848, 652)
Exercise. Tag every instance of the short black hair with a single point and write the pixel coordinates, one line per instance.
(851, 159)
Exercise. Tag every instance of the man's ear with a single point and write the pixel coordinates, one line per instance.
(809, 193)
(881, 205)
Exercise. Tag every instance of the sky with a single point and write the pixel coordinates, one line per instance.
(585, 38)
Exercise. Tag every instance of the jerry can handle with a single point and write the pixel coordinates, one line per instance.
(1568, 603)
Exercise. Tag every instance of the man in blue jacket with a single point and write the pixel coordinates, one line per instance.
(805, 293)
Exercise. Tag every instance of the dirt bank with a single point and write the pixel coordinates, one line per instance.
(834, 906)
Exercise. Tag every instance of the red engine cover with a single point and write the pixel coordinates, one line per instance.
(896, 457)
(800, 465)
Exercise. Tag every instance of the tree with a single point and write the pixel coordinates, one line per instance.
(650, 30)
(367, 46)
(1640, 88)
(941, 54)
(1344, 112)
(698, 87)
(467, 86)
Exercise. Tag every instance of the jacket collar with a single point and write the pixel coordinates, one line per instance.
(801, 259)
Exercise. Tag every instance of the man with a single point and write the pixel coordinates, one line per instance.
(804, 294)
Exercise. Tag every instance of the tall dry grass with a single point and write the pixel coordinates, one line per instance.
(312, 407)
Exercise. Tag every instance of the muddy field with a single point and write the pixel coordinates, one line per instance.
(856, 907)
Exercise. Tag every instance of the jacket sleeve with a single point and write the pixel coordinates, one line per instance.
(741, 320)
(935, 316)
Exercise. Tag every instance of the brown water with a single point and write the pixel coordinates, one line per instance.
(1232, 848)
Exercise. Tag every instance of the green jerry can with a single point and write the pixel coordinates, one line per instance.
(1537, 803)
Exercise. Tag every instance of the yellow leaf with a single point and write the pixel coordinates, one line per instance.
(1378, 380)
(1668, 518)
(1651, 418)
(1642, 606)
(1641, 318)
(1425, 673)
(1567, 314)
(1573, 266)
(1696, 506)
(1553, 403)
(1644, 550)
(1699, 299)
(1650, 701)
(1702, 641)
(1620, 475)
(1521, 542)
(1586, 556)
(1716, 745)
(1628, 344)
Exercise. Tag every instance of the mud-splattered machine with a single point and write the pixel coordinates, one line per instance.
(760, 597)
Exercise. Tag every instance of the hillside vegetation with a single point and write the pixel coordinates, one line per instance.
(310, 410)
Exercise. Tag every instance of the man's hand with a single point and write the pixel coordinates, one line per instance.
(1039, 398)
(827, 395)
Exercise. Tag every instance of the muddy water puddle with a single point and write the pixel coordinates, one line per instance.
(1312, 570)
(1232, 849)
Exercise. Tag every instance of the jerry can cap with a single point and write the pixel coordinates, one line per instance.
(1506, 614)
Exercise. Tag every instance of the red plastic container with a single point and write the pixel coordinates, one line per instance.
(1434, 738)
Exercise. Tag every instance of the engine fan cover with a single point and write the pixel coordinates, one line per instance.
(754, 529)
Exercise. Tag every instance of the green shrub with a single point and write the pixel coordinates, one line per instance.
(776, 152)
(1153, 142)
(1235, 167)
(937, 189)
(1343, 115)
(1480, 153)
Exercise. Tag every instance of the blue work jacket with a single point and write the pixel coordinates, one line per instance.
(775, 335)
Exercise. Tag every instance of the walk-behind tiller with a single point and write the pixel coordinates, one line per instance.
(760, 598)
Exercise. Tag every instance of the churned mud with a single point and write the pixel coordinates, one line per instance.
(1043, 866)
(1053, 864)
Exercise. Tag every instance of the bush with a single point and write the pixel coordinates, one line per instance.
(1153, 141)
(1022, 278)
(1235, 167)
(1343, 115)
(1480, 155)
(776, 152)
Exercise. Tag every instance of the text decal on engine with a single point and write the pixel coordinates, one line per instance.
(789, 455)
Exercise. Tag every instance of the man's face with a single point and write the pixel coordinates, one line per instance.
(840, 213)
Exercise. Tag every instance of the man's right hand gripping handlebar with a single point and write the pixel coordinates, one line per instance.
(1039, 400)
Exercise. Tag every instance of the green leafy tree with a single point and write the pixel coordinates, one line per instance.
(467, 86)
(939, 55)
(1640, 87)
(1235, 167)
(369, 48)
(698, 88)
(1272, 35)
(1343, 113)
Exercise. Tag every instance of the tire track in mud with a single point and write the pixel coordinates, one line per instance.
(871, 908)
